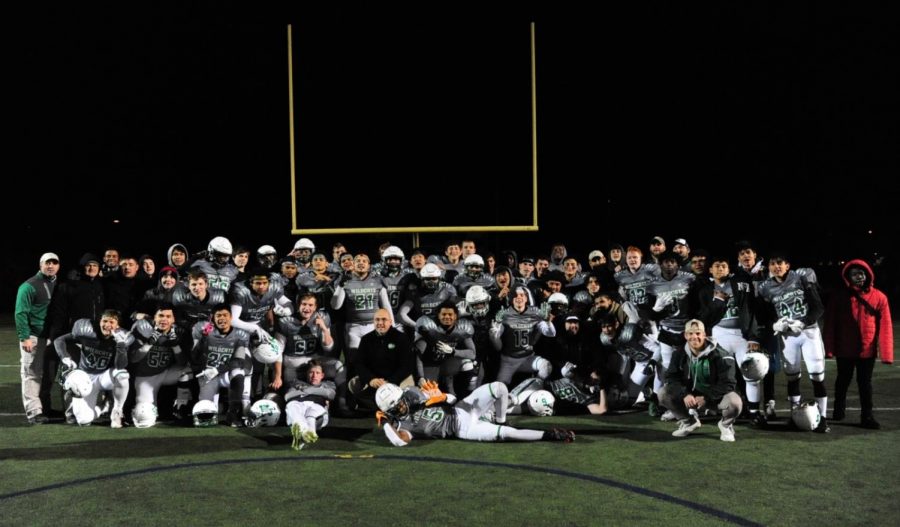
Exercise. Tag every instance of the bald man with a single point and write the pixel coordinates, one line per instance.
(384, 355)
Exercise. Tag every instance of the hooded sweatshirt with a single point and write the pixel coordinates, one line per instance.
(854, 330)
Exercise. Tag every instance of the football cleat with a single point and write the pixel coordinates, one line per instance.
(870, 423)
(727, 433)
(823, 427)
(310, 436)
(668, 416)
(686, 426)
(759, 420)
(115, 418)
(770, 410)
(559, 434)
(297, 435)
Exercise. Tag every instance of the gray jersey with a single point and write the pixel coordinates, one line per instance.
(676, 314)
(217, 277)
(427, 304)
(432, 333)
(635, 285)
(433, 421)
(155, 351)
(570, 391)
(303, 339)
(789, 296)
(304, 391)
(730, 319)
(361, 299)
(463, 282)
(99, 353)
(520, 331)
(392, 284)
(217, 350)
(253, 307)
(189, 309)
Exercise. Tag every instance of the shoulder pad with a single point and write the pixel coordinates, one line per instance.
(239, 294)
(83, 328)
(288, 325)
(807, 275)
(425, 323)
(180, 294)
(142, 328)
(243, 337)
(216, 296)
(465, 326)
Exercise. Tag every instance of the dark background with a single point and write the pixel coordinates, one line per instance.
(147, 116)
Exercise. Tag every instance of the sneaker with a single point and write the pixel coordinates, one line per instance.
(870, 423)
(668, 416)
(823, 427)
(759, 420)
(310, 436)
(559, 434)
(686, 426)
(297, 434)
(38, 419)
(653, 409)
(770, 410)
(115, 418)
(236, 419)
(727, 433)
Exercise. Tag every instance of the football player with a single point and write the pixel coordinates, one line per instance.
(217, 266)
(427, 412)
(514, 333)
(104, 357)
(307, 405)
(444, 348)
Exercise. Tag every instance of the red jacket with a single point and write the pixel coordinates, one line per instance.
(851, 330)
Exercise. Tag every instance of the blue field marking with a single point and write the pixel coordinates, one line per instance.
(722, 515)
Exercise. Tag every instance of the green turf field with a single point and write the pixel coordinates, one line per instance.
(622, 470)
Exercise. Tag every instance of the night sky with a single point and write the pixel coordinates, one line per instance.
(141, 117)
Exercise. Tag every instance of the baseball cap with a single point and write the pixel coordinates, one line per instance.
(681, 241)
(694, 325)
(595, 254)
(49, 256)
(572, 318)
(657, 239)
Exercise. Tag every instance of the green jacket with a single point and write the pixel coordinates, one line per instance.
(32, 302)
(710, 374)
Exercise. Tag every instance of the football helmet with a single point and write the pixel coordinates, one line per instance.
(79, 383)
(431, 277)
(219, 250)
(266, 256)
(144, 415)
(206, 413)
(478, 301)
(388, 396)
(268, 351)
(304, 247)
(540, 403)
(264, 412)
(806, 416)
(755, 366)
(559, 304)
(474, 265)
(395, 254)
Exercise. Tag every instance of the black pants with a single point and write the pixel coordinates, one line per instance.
(864, 369)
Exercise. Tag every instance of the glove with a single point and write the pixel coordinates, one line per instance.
(121, 337)
(796, 326)
(496, 329)
(781, 325)
(209, 373)
(207, 328)
(69, 363)
(263, 335)
(444, 348)
(282, 311)
(662, 301)
(568, 370)
(431, 389)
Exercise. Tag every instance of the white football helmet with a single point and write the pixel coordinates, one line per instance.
(264, 412)
(474, 265)
(267, 352)
(144, 415)
(755, 366)
(79, 383)
(540, 403)
(559, 304)
(266, 256)
(305, 243)
(219, 250)
(478, 301)
(387, 396)
(392, 252)
(806, 416)
(206, 413)
(431, 277)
